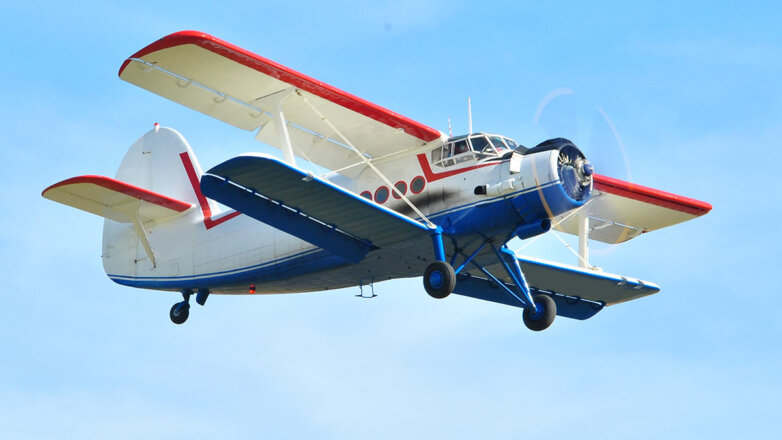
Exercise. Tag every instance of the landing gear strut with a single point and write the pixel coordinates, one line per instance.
(539, 310)
(439, 277)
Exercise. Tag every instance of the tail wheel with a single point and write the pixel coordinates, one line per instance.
(439, 279)
(543, 315)
(179, 312)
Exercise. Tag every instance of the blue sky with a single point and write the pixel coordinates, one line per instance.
(692, 90)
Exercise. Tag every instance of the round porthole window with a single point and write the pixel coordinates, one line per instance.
(381, 195)
(367, 195)
(417, 185)
(400, 186)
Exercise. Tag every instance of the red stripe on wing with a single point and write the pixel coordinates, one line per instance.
(650, 195)
(291, 77)
(127, 189)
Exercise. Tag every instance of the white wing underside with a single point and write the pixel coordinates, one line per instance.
(245, 90)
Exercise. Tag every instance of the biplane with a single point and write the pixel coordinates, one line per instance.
(359, 195)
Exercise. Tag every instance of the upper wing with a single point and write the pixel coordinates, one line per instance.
(307, 207)
(241, 88)
(620, 210)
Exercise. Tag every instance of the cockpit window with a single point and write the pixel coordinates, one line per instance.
(482, 147)
(452, 153)
(499, 145)
(479, 143)
(471, 147)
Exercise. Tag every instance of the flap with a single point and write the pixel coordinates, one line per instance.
(113, 199)
(263, 187)
(241, 88)
(620, 210)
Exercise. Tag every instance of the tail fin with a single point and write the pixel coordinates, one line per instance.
(163, 162)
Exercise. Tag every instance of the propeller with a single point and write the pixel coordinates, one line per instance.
(561, 113)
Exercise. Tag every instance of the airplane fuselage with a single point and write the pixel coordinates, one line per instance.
(231, 253)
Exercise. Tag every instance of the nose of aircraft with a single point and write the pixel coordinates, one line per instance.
(575, 171)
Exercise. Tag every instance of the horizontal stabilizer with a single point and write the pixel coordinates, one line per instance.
(620, 210)
(307, 206)
(115, 200)
(118, 201)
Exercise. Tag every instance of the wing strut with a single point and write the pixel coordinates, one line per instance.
(366, 160)
(583, 240)
(275, 101)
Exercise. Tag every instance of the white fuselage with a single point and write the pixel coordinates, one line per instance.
(232, 253)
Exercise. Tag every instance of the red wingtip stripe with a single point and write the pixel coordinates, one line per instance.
(124, 188)
(291, 77)
(651, 195)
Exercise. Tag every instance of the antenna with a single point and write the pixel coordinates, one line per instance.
(450, 132)
(469, 114)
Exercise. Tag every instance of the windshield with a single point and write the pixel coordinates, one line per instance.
(475, 146)
(498, 143)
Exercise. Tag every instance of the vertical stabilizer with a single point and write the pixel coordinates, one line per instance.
(155, 162)
(161, 161)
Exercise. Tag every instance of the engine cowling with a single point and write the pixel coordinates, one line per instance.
(546, 181)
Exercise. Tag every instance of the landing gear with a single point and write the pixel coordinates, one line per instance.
(179, 312)
(439, 279)
(543, 315)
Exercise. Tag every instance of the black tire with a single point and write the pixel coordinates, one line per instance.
(547, 311)
(439, 279)
(179, 313)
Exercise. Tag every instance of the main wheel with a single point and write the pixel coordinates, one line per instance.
(179, 312)
(543, 316)
(439, 279)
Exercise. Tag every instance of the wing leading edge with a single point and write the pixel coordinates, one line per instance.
(620, 211)
(243, 89)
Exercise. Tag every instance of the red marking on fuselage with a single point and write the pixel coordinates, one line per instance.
(202, 201)
(431, 176)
